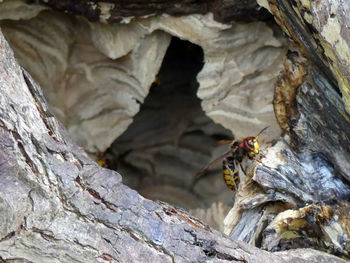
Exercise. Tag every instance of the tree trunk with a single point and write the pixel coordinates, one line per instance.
(304, 190)
(58, 205)
(116, 10)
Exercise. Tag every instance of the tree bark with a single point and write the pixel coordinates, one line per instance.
(58, 205)
(304, 190)
(116, 10)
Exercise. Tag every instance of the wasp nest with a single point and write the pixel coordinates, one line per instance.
(95, 76)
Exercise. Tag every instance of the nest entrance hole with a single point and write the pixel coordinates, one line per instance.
(171, 138)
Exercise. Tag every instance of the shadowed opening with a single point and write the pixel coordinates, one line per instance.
(171, 138)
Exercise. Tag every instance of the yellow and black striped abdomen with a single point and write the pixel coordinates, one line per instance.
(231, 175)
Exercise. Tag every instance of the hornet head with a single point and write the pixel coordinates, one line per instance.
(251, 145)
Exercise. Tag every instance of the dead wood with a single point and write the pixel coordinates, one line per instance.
(116, 10)
(58, 205)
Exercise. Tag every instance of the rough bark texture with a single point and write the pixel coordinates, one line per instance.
(118, 10)
(57, 205)
(303, 193)
(320, 30)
